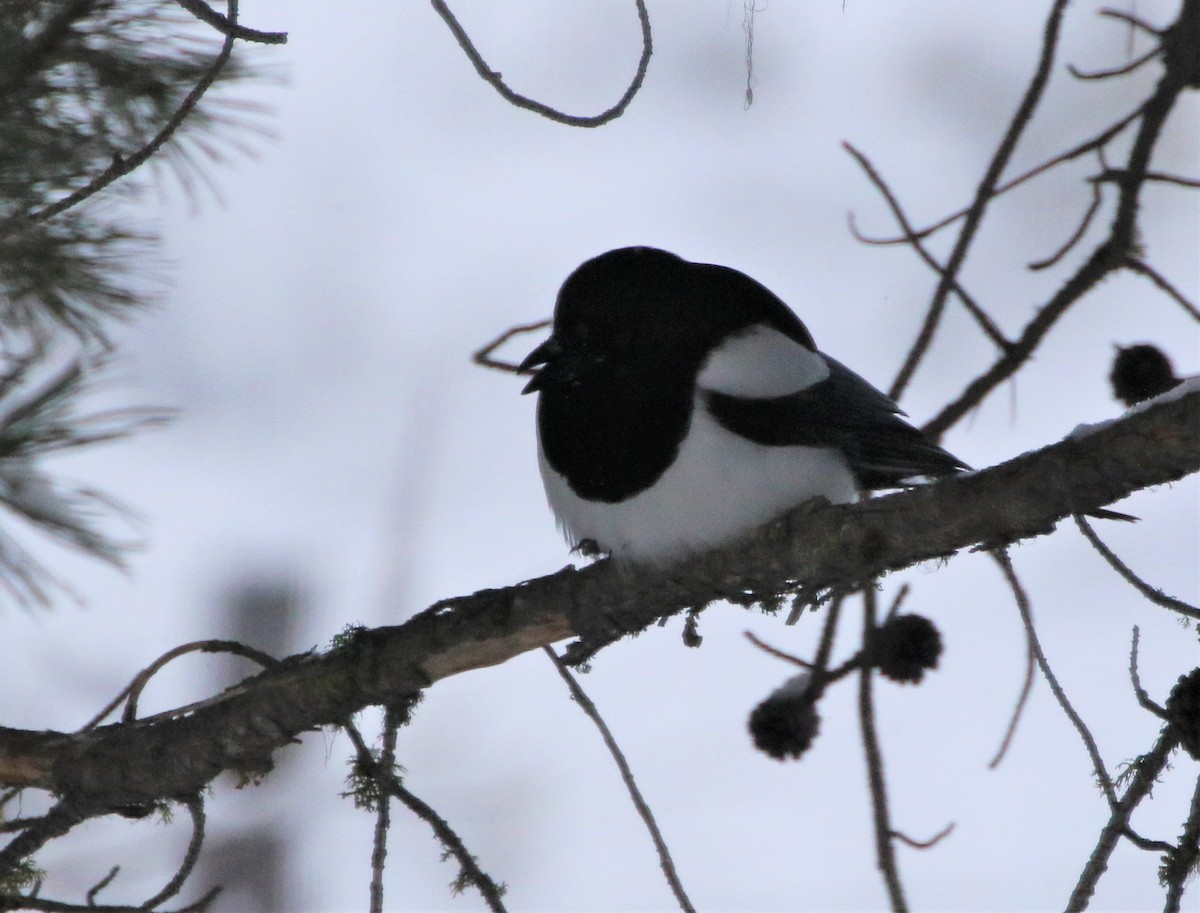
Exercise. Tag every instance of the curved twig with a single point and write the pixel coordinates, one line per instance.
(195, 807)
(228, 27)
(496, 80)
(925, 844)
(132, 691)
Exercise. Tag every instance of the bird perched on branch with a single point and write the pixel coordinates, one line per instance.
(680, 405)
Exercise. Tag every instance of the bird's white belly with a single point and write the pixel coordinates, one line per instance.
(720, 487)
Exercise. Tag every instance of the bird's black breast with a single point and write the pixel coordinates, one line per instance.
(613, 433)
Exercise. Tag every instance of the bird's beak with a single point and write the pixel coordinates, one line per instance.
(539, 356)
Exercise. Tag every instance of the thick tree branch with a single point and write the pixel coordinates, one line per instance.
(814, 549)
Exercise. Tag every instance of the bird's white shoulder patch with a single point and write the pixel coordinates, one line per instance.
(761, 362)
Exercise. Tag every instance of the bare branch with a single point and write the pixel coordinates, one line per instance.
(1155, 595)
(1019, 709)
(985, 322)
(1146, 771)
(1145, 269)
(471, 872)
(228, 27)
(1099, 141)
(983, 197)
(195, 807)
(1180, 74)
(635, 794)
(1010, 575)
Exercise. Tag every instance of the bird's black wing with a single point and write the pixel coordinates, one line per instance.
(847, 413)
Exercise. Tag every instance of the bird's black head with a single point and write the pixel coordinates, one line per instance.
(1140, 372)
(638, 311)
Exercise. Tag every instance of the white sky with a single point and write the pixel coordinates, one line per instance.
(316, 340)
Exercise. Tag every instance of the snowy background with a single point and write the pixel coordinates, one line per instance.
(335, 441)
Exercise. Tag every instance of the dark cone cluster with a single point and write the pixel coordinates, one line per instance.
(904, 647)
(1141, 372)
(1183, 710)
(785, 724)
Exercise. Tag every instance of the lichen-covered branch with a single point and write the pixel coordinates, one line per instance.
(813, 550)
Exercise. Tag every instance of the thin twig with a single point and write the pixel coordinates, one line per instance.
(1115, 71)
(1101, 139)
(483, 357)
(1022, 599)
(1143, 697)
(1019, 709)
(897, 602)
(1155, 595)
(664, 854)
(1145, 269)
(776, 652)
(1077, 235)
(925, 844)
(496, 80)
(1162, 178)
(1130, 19)
(1142, 843)
(885, 852)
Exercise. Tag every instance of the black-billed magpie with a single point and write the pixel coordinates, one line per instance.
(682, 404)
